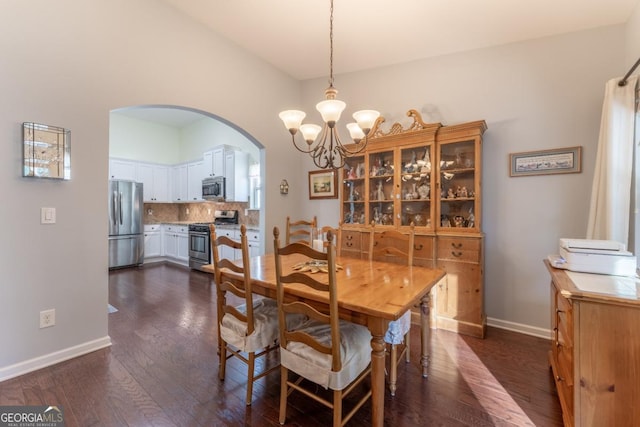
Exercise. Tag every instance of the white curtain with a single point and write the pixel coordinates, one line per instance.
(611, 190)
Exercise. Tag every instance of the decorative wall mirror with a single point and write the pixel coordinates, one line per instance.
(47, 151)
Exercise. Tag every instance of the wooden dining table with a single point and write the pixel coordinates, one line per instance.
(370, 293)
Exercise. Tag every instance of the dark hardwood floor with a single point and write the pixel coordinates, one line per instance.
(162, 370)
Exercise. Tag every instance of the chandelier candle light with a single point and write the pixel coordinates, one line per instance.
(327, 150)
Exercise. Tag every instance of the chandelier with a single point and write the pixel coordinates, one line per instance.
(327, 150)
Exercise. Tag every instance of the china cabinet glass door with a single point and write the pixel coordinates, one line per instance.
(353, 190)
(381, 188)
(458, 186)
(415, 186)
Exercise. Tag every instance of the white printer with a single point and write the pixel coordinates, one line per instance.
(595, 256)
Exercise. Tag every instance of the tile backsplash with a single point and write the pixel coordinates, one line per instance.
(198, 212)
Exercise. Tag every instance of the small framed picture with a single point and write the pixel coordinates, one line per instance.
(544, 162)
(323, 184)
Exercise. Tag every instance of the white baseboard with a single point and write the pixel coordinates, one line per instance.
(519, 327)
(34, 364)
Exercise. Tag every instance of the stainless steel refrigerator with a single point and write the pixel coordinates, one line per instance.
(126, 238)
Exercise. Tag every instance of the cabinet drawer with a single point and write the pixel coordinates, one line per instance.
(351, 240)
(253, 235)
(230, 233)
(176, 228)
(152, 227)
(458, 249)
(423, 250)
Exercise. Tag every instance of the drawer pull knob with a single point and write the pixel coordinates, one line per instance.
(456, 245)
(417, 247)
(456, 254)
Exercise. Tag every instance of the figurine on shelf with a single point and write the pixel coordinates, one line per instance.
(379, 192)
(444, 221)
(471, 220)
(352, 173)
(360, 170)
(458, 221)
(361, 218)
(463, 192)
(428, 222)
(423, 191)
(451, 194)
(376, 215)
(427, 161)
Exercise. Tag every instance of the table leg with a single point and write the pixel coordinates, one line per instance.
(377, 373)
(425, 337)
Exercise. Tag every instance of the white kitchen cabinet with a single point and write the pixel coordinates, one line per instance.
(226, 251)
(152, 241)
(179, 183)
(176, 243)
(253, 240)
(236, 172)
(214, 162)
(155, 181)
(123, 169)
(194, 179)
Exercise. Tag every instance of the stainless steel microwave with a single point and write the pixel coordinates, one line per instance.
(213, 188)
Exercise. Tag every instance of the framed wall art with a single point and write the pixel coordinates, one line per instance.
(323, 184)
(545, 162)
(46, 151)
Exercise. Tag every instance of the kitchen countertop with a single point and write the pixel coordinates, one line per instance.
(221, 226)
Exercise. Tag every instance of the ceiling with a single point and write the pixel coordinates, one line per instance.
(374, 33)
(370, 33)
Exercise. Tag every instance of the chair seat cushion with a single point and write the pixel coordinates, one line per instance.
(266, 332)
(398, 329)
(355, 348)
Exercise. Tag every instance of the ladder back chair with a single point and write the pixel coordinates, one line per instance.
(301, 231)
(394, 246)
(337, 237)
(325, 351)
(249, 330)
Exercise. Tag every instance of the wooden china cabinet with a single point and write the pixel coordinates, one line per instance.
(429, 175)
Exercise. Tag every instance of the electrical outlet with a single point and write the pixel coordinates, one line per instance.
(47, 318)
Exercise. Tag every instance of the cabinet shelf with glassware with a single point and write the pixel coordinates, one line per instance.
(427, 175)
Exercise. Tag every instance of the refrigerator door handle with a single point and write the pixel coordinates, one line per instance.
(120, 206)
(114, 199)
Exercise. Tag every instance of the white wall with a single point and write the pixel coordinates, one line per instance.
(632, 40)
(206, 134)
(539, 94)
(72, 64)
(142, 140)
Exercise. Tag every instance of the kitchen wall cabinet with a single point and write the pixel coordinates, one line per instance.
(427, 175)
(595, 349)
(155, 181)
(152, 241)
(214, 161)
(236, 172)
(194, 180)
(123, 169)
(179, 183)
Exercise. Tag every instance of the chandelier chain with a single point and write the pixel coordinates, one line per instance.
(331, 45)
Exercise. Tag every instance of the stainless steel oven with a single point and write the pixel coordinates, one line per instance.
(199, 246)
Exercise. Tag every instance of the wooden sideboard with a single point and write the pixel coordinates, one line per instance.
(595, 351)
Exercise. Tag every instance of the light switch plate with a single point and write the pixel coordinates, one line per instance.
(47, 215)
